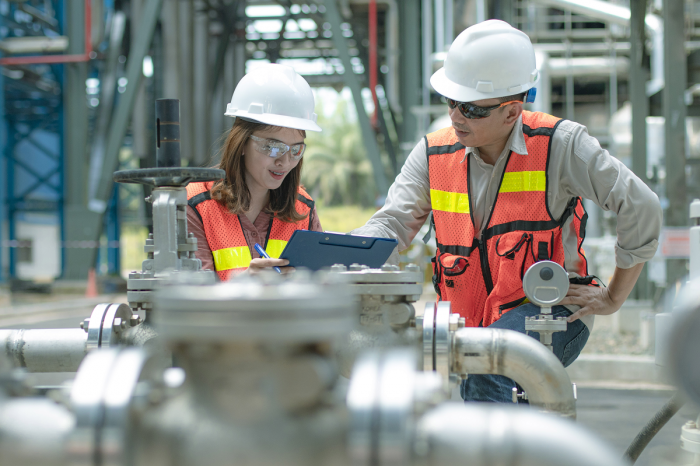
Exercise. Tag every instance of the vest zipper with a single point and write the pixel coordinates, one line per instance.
(485, 269)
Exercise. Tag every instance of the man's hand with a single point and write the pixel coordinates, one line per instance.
(603, 301)
(257, 265)
(593, 300)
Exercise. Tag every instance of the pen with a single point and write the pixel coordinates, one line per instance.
(262, 253)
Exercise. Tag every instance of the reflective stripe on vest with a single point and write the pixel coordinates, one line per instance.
(225, 236)
(483, 277)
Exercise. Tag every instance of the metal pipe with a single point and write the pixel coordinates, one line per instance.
(611, 13)
(523, 359)
(45, 350)
(46, 59)
(588, 66)
(488, 435)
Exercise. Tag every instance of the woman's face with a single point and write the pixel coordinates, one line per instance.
(263, 171)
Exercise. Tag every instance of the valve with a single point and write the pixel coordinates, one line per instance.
(545, 284)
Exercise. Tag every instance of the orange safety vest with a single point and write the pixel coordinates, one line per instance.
(483, 277)
(225, 235)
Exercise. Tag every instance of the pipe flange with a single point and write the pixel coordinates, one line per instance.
(110, 386)
(437, 355)
(384, 393)
(261, 308)
(107, 322)
(388, 280)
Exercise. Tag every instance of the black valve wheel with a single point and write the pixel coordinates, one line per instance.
(170, 176)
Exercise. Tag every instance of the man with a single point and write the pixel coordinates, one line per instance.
(505, 187)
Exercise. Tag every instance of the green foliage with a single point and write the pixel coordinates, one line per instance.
(344, 218)
(336, 169)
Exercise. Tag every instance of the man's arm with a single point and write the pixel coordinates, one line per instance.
(407, 204)
(591, 172)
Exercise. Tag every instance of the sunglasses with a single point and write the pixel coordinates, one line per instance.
(474, 112)
(275, 149)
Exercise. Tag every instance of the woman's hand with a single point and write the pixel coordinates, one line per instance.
(592, 299)
(257, 265)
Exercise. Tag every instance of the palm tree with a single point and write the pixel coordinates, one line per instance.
(336, 169)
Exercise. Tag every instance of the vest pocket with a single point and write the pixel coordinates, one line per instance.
(511, 305)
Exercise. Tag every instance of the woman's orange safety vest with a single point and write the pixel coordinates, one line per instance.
(225, 235)
(483, 277)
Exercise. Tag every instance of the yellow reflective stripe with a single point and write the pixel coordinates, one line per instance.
(275, 247)
(231, 258)
(449, 202)
(516, 182)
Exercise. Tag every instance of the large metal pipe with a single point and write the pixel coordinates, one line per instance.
(489, 435)
(45, 350)
(523, 359)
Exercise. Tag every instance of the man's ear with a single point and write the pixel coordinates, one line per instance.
(513, 112)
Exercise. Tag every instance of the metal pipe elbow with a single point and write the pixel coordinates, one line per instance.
(492, 434)
(519, 357)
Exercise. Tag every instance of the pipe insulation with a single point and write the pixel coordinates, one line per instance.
(45, 350)
(488, 435)
(519, 357)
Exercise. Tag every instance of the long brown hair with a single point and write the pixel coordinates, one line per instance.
(233, 192)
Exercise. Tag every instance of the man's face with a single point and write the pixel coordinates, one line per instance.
(483, 131)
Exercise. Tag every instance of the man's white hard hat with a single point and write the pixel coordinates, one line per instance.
(488, 60)
(274, 95)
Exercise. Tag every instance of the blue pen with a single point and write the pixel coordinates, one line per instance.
(262, 253)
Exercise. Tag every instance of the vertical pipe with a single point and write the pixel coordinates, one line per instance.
(185, 35)
(481, 8)
(449, 23)
(168, 133)
(373, 58)
(613, 79)
(77, 216)
(170, 25)
(569, 77)
(139, 115)
(674, 109)
(638, 77)
(439, 22)
(202, 65)
(410, 71)
(427, 25)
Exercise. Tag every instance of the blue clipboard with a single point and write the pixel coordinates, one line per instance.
(315, 250)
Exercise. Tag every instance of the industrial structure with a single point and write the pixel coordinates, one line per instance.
(191, 371)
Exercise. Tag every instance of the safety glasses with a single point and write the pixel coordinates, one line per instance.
(275, 149)
(474, 112)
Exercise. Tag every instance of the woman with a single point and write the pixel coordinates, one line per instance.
(261, 200)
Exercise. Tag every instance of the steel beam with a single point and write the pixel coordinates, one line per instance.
(76, 215)
(675, 77)
(353, 82)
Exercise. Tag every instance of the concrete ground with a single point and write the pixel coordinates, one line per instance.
(614, 411)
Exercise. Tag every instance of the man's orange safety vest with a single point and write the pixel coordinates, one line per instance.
(483, 277)
(225, 235)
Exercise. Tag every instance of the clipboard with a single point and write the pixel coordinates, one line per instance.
(315, 250)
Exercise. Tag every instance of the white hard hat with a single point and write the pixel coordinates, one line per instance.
(488, 60)
(275, 95)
